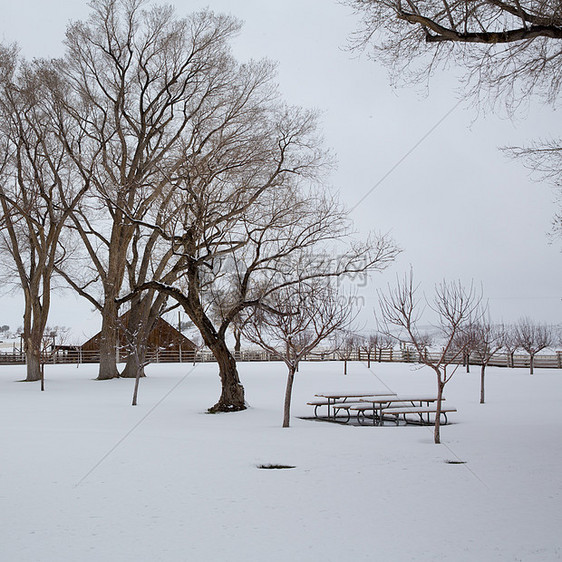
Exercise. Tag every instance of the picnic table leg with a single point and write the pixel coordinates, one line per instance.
(360, 417)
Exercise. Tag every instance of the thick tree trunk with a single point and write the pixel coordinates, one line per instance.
(33, 363)
(34, 327)
(288, 394)
(121, 234)
(136, 334)
(531, 363)
(108, 341)
(134, 367)
(482, 373)
(232, 393)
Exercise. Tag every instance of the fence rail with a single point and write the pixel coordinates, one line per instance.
(78, 356)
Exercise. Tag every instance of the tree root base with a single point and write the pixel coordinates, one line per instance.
(220, 407)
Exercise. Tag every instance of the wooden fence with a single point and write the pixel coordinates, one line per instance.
(78, 356)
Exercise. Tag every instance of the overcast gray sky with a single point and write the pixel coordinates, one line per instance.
(421, 167)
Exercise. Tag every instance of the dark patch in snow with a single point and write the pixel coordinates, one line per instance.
(275, 466)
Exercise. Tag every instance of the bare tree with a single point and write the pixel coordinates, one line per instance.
(134, 345)
(369, 345)
(489, 339)
(510, 48)
(345, 344)
(37, 195)
(375, 343)
(295, 321)
(511, 344)
(138, 85)
(385, 342)
(467, 340)
(245, 231)
(533, 338)
(455, 307)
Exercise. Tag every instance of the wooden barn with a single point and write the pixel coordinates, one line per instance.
(165, 343)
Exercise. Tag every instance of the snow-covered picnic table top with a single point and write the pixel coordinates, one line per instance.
(352, 394)
(396, 398)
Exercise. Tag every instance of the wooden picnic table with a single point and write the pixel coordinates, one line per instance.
(334, 397)
(379, 403)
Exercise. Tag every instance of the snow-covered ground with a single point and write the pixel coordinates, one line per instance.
(87, 477)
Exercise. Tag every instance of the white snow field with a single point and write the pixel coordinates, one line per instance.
(87, 477)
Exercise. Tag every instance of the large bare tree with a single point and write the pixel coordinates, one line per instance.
(250, 240)
(138, 84)
(38, 192)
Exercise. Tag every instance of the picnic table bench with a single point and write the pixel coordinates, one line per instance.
(396, 406)
(329, 399)
(420, 411)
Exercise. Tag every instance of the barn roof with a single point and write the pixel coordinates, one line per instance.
(163, 336)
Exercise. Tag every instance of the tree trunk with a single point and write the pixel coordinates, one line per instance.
(142, 319)
(121, 234)
(136, 333)
(368, 359)
(140, 373)
(232, 392)
(108, 341)
(468, 362)
(237, 343)
(482, 373)
(134, 367)
(345, 366)
(33, 362)
(531, 363)
(437, 432)
(33, 338)
(288, 394)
